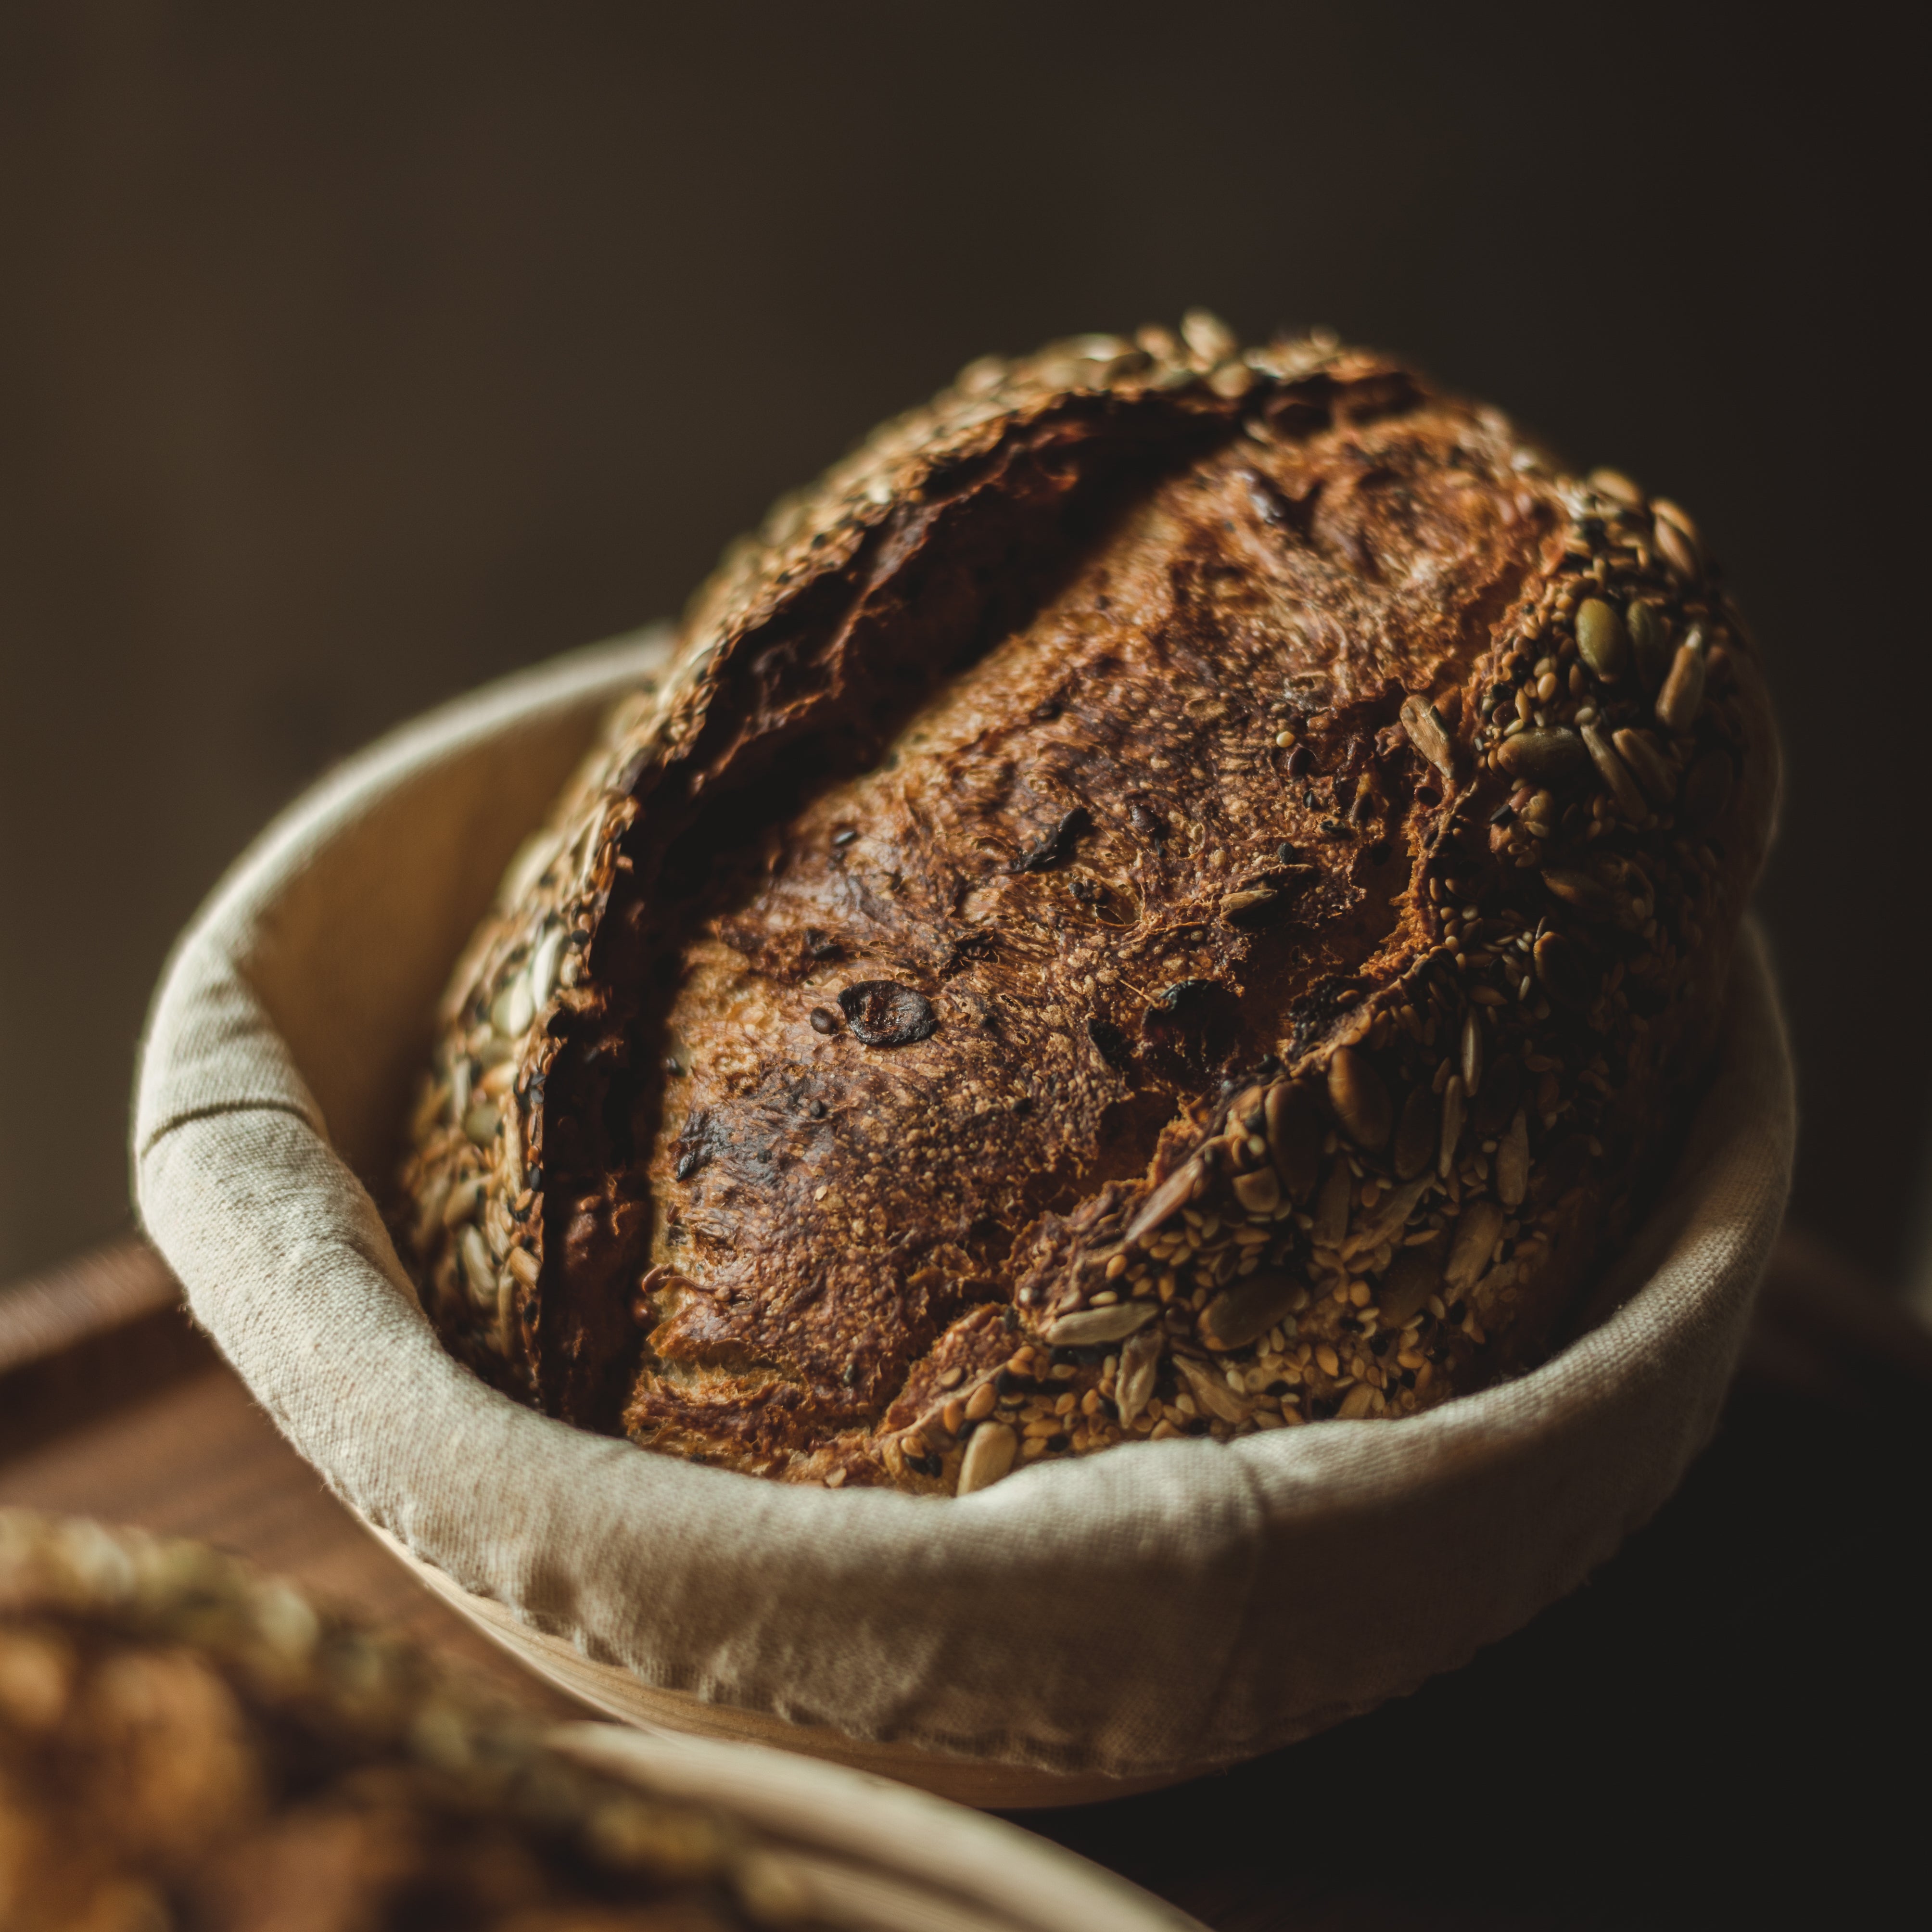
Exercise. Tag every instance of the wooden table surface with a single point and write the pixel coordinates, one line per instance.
(1721, 1720)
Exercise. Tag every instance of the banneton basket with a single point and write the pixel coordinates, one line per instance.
(1104, 1624)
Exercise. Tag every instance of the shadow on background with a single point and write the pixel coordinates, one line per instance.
(349, 355)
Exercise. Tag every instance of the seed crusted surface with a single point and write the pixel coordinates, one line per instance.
(1180, 891)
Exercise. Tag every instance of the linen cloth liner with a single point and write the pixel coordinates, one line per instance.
(1153, 1610)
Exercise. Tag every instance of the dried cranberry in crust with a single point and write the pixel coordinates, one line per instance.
(881, 1012)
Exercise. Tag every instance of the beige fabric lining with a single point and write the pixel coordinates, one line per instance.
(1157, 1608)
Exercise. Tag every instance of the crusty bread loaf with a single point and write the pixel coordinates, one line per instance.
(186, 1745)
(1177, 890)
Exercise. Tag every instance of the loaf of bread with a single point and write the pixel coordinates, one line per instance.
(1178, 891)
(187, 1746)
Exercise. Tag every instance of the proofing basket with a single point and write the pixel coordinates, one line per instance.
(1093, 1627)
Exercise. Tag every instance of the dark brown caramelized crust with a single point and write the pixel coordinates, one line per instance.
(1178, 891)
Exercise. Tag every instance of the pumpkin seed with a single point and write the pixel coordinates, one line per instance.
(1360, 1101)
(1601, 641)
(1546, 755)
(1294, 1126)
(1138, 1361)
(1650, 641)
(1237, 1315)
(1429, 732)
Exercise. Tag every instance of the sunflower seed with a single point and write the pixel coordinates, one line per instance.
(1616, 485)
(1683, 690)
(1545, 755)
(1453, 1092)
(465, 1200)
(1472, 1053)
(1676, 549)
(1475, 1239)
(1579, 889)
(1139, 1359)
(1360, 1101)
(989, 1454)
(1513, 1162)
(512, 1012)
(1654, 771)
(1600, 639)
(1255, 1302)
(1254, 905)
(1173, 1193)
(1678, 519)
(1089, 1327)
(1331, 1206)
(1429, 732)
(479, 1271)
(1390, 1216)
(1415, 1133)
(1211, 1391)
(1623, 788)
(1294, 1136)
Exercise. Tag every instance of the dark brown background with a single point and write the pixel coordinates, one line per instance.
(349, 355)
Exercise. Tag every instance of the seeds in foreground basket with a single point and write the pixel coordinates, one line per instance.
(1180, 891)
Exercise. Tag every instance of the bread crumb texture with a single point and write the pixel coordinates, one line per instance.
(1178, 891)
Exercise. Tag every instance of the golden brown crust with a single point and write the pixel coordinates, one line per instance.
(1178, 890)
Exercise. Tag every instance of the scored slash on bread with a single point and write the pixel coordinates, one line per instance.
(1179, 890)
